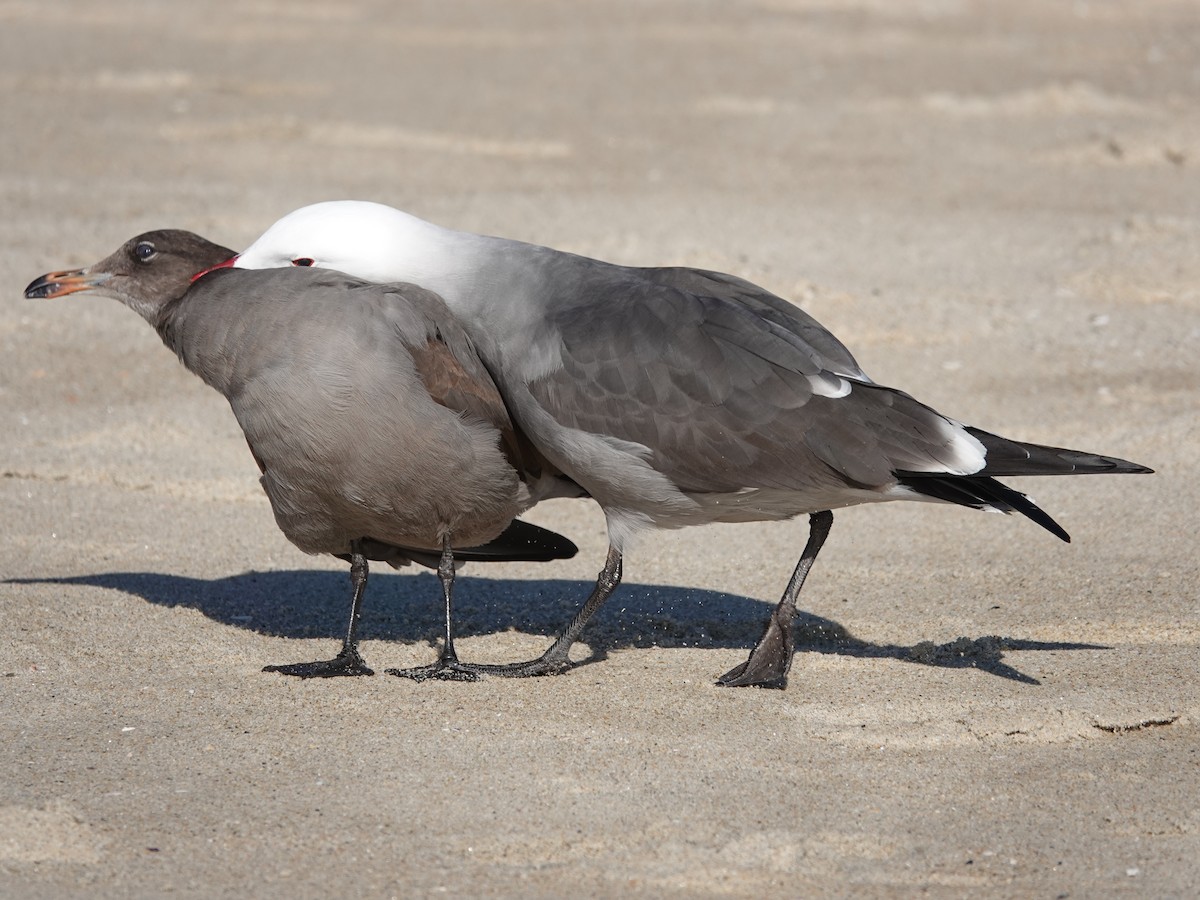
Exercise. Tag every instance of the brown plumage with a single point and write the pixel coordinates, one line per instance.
(378, 431)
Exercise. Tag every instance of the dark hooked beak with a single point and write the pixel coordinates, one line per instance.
(59, 284)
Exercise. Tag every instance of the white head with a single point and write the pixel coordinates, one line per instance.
(363, 239)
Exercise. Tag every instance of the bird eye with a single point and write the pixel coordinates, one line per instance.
(145, 251)
(302, 261)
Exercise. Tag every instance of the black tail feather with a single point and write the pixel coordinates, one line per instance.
(980, 492)
(1006, 457)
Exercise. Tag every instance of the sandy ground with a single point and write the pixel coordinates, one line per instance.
(997, 206)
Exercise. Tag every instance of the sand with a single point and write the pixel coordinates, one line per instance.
(997, 207)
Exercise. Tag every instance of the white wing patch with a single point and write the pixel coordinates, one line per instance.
(968, 455)
(827, 384)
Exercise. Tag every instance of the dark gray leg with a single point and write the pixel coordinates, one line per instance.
(447, 667)
(557, 659)
(347, 662)
(772, 656)
(553, 662)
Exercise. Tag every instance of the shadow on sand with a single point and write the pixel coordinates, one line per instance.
(407, 608)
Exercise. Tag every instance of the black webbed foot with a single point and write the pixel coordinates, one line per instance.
(348, 662)
(772, 656)
(768, 663)
(442, 670)
(453, 669)
(557, 660)
(549, 663)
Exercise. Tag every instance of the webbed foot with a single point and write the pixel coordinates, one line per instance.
(442, 670)
(348, 662)
(768, 663)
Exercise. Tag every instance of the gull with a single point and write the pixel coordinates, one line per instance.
(676, 396)
(378, 431)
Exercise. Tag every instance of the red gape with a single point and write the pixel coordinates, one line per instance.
(224, 265)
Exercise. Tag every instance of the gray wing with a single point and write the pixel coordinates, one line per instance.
(828, 351)
(725, 397)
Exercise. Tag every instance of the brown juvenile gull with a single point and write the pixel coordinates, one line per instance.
(676, 396)
(378, 432)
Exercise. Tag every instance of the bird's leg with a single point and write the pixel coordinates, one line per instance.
(557, 659)
(348, 661)
(772, 656)
(447, 667)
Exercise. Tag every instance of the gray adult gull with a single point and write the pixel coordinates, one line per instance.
(378, 432)
(677, 396)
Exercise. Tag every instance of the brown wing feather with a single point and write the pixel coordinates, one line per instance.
(474, 393)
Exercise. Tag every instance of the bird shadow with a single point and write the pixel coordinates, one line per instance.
(407, 608)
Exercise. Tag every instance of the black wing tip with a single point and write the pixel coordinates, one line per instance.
(521, 542)
(1008, 457)
(981, 492)
(1094, 464)
(1053, 527)
(1026, 507)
